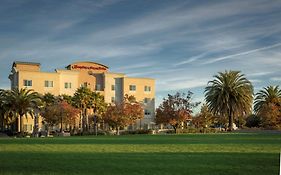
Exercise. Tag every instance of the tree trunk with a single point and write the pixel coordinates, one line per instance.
(85, 121)
(35, 127)
(21, 124)
(118, 130)
(2, 123)
(95, 125)
(230, 122)
(81, 121)
(175, 128)
(61, 124)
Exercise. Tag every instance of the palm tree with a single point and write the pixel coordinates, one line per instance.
(229, 94)
(99, 107)
(266, 96)
(23, 101)
(82, 99)
(267, 105)
(3, 108)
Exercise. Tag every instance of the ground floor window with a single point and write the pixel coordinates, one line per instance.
(27, 127)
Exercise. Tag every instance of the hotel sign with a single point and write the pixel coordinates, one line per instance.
(87, 67)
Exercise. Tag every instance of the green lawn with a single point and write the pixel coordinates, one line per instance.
(214, 154)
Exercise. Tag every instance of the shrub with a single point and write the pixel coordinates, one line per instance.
(253, 121)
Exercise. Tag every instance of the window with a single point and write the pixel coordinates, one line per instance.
(147, 88)
(146, 100)
(49, 83)
(27, 82)
(112, 99)
(98, 87)
(85, 84)
(113, 87)
(133, 87)
(146, 112)
(27, 127)
(67, 85)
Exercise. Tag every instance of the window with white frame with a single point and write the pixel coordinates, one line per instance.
(132, 87)
(147, 88)
(27, 83)
(49, 83)
(67, 85)
(27, 127)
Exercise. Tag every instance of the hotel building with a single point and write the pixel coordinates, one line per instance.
(95, 76)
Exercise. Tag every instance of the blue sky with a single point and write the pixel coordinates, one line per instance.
(181, 44)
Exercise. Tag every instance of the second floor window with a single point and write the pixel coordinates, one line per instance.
(133, 87)
(49, 83)
(147, 88)
(67, 85)
(27, 82)
(113, 87)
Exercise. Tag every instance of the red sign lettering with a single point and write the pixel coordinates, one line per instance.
(88, 67)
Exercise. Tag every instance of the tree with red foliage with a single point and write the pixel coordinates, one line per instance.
(175, 110)
(124, 113)
(60, 113)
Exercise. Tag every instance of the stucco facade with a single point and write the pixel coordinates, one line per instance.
(113, 86)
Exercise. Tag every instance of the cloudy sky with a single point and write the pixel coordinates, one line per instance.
(181, 44)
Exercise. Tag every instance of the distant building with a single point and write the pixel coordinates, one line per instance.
(95, 76)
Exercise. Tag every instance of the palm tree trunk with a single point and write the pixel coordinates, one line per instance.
(230, 121)
(61, 124)
(21, 124)
(2, 123)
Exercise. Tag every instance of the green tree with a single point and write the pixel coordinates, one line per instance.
(267, 105)
(83, 100)
(6, 113)
(229, 94)
(204, 119)
(175, 110)
(99, 107)
(23, 102)
(4, 108)
(49, 99)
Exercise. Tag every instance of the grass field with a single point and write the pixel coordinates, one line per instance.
(215, 154)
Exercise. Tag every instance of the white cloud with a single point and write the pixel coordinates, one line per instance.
(187, 84)
(257, 74)
(275, 78)
(191, 59)
(214, 60)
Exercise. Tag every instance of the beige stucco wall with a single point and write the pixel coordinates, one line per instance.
(109, 79)
(140, 83)
(27, 67)
(38, 81)
(68, 76)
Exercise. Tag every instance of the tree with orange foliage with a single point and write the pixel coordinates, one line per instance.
(60, 113)
(267, 105)
(124, 113)
(175, 110)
